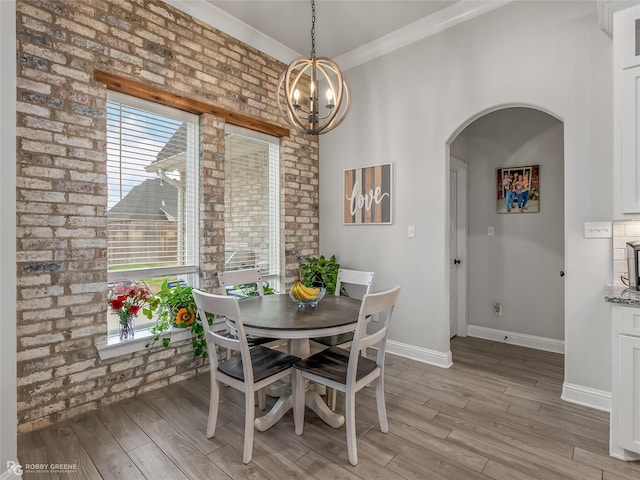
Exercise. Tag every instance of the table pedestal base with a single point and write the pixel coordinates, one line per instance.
(312, 400)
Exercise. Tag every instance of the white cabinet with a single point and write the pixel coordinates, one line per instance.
(629, 425)
(625, 398)
(626, 59)
(630, 82)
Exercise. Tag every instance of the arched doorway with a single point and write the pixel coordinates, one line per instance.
(515, 293)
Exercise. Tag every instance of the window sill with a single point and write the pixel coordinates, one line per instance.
(114, 347)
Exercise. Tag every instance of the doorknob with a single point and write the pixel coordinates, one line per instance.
(456, 261)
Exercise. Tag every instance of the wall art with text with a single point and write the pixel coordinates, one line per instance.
(367, 195)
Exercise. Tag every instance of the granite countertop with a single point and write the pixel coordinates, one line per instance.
(622, 295)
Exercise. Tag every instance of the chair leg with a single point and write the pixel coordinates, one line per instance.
(350, 425)
(262, 399)
(298, 401)
(214, 399)
(249, 417)
(382, 409)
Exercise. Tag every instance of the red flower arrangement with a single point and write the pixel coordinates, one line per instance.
(128, 300)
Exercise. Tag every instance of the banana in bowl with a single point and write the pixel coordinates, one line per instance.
(304, 295)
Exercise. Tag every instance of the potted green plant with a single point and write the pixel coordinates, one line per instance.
(320, 272)
(174, 307)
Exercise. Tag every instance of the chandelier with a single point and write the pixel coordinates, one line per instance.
(307, 75)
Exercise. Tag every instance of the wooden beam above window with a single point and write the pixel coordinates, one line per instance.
(154, 94)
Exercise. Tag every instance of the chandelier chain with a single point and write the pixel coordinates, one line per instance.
(313, 29)
(303, 78)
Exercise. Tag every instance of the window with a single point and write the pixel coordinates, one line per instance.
(252, 202)
(152, 166)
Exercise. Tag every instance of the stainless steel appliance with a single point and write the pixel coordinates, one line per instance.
(632, 263)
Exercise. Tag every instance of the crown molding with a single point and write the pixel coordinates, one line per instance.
(212, 15)
(606, 9)
(423, 28)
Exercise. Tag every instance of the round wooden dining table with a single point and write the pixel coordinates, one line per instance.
(278, 316)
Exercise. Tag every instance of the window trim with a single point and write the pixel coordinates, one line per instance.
(141, 273)
(113, 347)
(116, 83)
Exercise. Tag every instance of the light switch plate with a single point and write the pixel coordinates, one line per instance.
(598, 230)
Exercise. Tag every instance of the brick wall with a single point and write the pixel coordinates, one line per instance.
(62, 186)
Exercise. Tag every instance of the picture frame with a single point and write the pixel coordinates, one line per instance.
(518, 189)
(367, 195)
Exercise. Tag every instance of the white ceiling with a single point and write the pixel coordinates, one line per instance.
(341, 25)
(349, 31)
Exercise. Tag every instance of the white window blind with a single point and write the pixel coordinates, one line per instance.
(152, 171)
(252, 202)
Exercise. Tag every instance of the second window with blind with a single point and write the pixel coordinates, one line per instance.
(252, 203)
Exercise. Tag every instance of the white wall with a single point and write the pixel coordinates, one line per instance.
(407, 105)
(8, 407)
(519, 266)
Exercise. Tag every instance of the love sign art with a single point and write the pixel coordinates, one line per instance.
(367, 195)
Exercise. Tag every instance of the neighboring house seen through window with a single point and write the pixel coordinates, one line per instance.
(152, 171)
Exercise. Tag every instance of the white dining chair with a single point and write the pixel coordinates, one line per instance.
(346, 278)
(231, 278)
(253, 369)
(250, 276)
(348, 371)
(244, 277)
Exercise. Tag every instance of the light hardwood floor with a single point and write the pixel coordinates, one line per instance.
(496, 414)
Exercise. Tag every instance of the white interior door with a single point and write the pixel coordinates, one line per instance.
(458, 247)
(453, 252)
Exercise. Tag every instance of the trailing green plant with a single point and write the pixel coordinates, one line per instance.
(175, 307)
(321, 272)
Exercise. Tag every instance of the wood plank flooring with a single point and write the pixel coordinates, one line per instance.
(496, 414)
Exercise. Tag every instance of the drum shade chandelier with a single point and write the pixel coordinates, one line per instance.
(308, 74)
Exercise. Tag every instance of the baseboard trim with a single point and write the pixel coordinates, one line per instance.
(424, 355)
(585, 396)
(520, 339)
(622, 454)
